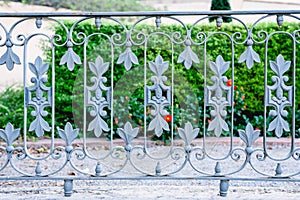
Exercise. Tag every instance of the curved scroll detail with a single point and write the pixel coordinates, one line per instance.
(39, 102)
(215, 96)
(9, 57)
(249, 55)
(279, 101)
(98, 102)
(161, 98)
(128, 134)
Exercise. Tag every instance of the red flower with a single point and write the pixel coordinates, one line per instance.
(257, 129)
(229, 83)
(168, 118)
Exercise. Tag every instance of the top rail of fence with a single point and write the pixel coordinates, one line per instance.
(154, 13)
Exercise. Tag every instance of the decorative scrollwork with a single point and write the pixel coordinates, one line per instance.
(216, 98)
(39, 102)
(159, 100)
(98, 102)
(279, 101)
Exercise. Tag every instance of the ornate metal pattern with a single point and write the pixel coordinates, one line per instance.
(188, 56)
(9, 57)
(68, 135)
(247, 148)
(249, 136)
(158, 101)
(216, 98)
(39, 102)
(98, 101)
(279, 101)
(128, 134)
(188, 134)
(250, 56)
(127, 57)
(70, 57)
(9, 135)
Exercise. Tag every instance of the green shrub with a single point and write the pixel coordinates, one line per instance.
(249, 82)
(11, 107)
(129, 99)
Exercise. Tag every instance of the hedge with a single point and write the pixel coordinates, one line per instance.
(249, 96)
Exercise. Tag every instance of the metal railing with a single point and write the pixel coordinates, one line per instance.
(197, 147)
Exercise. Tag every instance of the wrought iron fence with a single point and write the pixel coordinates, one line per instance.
(200, 145)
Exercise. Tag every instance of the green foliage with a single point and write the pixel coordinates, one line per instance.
(91, 5)
(188, 84)
(11, 109)
(220, 5)
(249, 97)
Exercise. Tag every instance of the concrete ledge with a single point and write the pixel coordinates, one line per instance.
(105, 144)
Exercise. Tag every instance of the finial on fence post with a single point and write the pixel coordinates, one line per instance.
(68, 187)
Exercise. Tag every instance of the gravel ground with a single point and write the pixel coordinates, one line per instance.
(180, 189)
(159, 189)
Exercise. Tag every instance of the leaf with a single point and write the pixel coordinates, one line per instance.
(158, 124)
(243, 136)
(249, 55)
(39, 125)
(159, 67)
(128, 134)
(71, 58)
(33, 69)
(62, 134)
(9, 134)
(249, 135)
(38, 68)
(99, 68)
(188, 56)
(128, 58)
(280, 66)
(68, 134)
(10, 58)
(188, 133)
(219, 67)
(98, 125)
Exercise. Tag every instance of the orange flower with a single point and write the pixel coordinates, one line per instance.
(168, 118)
